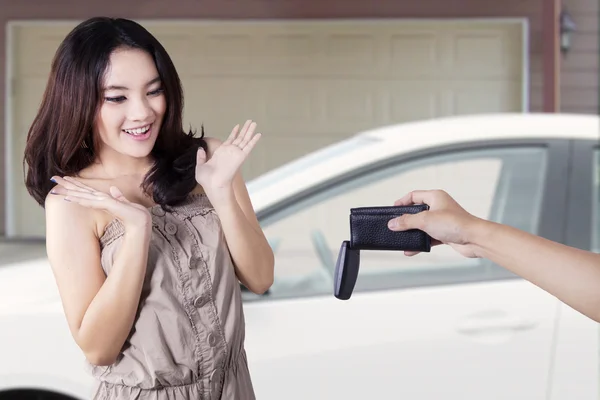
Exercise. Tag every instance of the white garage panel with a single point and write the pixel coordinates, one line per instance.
(307, 84)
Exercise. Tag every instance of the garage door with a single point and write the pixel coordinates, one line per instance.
(308, 84)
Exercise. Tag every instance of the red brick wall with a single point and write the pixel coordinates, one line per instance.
(578, 68)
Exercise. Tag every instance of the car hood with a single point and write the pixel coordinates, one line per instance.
(27, 286)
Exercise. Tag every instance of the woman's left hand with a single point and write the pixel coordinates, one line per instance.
(218, 172)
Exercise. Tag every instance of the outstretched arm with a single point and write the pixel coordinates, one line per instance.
(570, 274)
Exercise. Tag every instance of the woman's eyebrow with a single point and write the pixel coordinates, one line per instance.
(119, 87)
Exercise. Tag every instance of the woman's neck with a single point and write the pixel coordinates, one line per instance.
(121, 166)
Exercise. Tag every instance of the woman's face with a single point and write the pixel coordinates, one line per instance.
(133, 105)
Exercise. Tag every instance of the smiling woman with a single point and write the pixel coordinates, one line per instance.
(130, 113)
(157, 230)
(106, 92)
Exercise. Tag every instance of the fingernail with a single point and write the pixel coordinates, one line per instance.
(52, 192)
(53, 180)
(392, 224)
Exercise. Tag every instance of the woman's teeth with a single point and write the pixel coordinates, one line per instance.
(138, 131)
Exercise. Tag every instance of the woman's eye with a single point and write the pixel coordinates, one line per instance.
(117, 99)
(156, 92)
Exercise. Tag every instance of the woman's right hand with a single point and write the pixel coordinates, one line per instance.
(131, 215)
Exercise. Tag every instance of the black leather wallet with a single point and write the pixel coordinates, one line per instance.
(369, 231)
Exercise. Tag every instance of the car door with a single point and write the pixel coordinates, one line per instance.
(427, 327)
(575, 371)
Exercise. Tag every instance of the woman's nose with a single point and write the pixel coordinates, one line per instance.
(140, 110)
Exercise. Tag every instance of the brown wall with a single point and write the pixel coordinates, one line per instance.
(579, 68)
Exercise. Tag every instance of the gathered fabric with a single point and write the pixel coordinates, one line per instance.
(187, 341)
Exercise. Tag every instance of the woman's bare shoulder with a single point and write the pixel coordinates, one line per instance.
(85, 218)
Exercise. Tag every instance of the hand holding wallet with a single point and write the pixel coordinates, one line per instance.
(369, 231)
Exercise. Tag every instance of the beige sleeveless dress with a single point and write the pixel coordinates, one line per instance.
(187, 341)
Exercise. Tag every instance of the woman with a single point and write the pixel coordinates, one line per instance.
(570, 274)
(149, 229)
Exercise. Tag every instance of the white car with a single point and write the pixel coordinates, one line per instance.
(435, 326)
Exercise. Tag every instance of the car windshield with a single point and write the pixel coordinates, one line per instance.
(318, 157)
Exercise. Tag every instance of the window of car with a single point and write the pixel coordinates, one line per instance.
(318, 157)
(502, 184)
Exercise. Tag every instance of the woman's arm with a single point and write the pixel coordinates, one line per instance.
(251, 253)
(100, 310)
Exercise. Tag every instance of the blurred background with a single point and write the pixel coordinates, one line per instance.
(359, 102)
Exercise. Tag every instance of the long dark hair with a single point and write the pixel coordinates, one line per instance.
(60, 140)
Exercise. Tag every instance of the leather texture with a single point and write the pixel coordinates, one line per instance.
(369, 229)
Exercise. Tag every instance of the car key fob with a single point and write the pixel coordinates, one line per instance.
(369, 231)
(346, 271)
